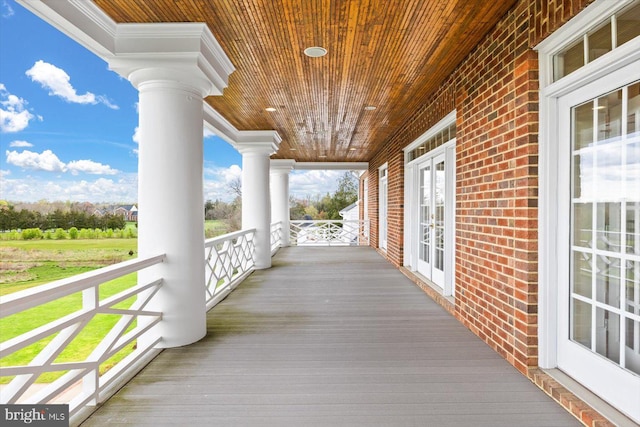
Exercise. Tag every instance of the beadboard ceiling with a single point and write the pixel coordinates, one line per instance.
(390, 55)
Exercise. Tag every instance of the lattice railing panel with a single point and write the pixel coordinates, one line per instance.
(329, 233)
(228, 260)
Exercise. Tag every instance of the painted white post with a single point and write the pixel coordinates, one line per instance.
(172, 78)
(256, 147)
(170, 195)
(280, 196)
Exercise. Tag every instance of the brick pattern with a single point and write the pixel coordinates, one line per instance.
(495, 94)
(546, 16)
(497, 191)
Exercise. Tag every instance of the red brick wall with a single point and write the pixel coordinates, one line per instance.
(495, 95)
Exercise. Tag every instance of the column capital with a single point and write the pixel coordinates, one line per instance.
(186, 53)
(282, 165)
(258, 141)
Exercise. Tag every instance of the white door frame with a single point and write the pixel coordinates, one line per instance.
(553, 228)
(411, 202)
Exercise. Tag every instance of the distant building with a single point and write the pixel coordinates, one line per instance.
(128, 212)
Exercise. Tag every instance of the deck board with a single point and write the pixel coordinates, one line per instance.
(331, 337)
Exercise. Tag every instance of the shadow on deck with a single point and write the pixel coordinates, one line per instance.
(331, 337)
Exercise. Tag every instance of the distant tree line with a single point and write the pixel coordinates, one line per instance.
(12, 219)
(330, 205)
(326, 207)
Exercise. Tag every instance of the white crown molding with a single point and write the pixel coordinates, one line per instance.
(219, 125)
(282, 165)
(258, 141)
(82, 21)
(127, 48)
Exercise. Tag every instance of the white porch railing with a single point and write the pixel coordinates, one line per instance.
(276, 237)
(229, 259)
(329, 233)
(81, 376)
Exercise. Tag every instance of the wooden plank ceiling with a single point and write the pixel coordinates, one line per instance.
(388, 54)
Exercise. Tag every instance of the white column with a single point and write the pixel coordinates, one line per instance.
(170, 197)
(280, 196)
(256, 147)
(174, 68)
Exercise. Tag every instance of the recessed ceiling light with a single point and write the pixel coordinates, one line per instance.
(370, 108)
(315, 51)
(352, 149)
(293, 149)
(270, 109)
(322, 156)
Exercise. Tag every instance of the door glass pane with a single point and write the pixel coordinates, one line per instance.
(608, 226)
(608, 334)
(633, 111)
(632, 288)
(628, 25)
(425, 214)
(608, 280)
(568, 61)
(439, 215)
(581, 331)
(582, 273)
(600, 42)
(583, 125)
(582, 224)
(610, 116)
(632, 346)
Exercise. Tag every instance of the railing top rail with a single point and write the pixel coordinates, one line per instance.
(29, 298)
(229, 236)
(315, 221)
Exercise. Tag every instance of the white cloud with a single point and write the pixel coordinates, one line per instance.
(19, 143)
(91, 167)
(217, 182)
(14, 115)
(45, 161)
(58, 82)
(4, 173)
(100, 190)
(206, 133)
(136, 139)
(313, 183)
(7, 10)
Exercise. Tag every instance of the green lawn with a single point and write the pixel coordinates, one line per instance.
(31, 263)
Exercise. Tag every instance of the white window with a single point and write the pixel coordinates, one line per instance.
(589, 290)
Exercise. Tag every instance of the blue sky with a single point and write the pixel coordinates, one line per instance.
(68, 124)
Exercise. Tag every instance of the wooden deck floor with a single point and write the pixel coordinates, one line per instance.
(331, 337)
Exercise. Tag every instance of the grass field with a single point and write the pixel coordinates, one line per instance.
(26, 264)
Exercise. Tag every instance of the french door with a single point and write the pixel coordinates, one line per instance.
(431, 219)
(599, 304)
(382, 208)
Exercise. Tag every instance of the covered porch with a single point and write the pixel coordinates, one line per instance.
(331, 336)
